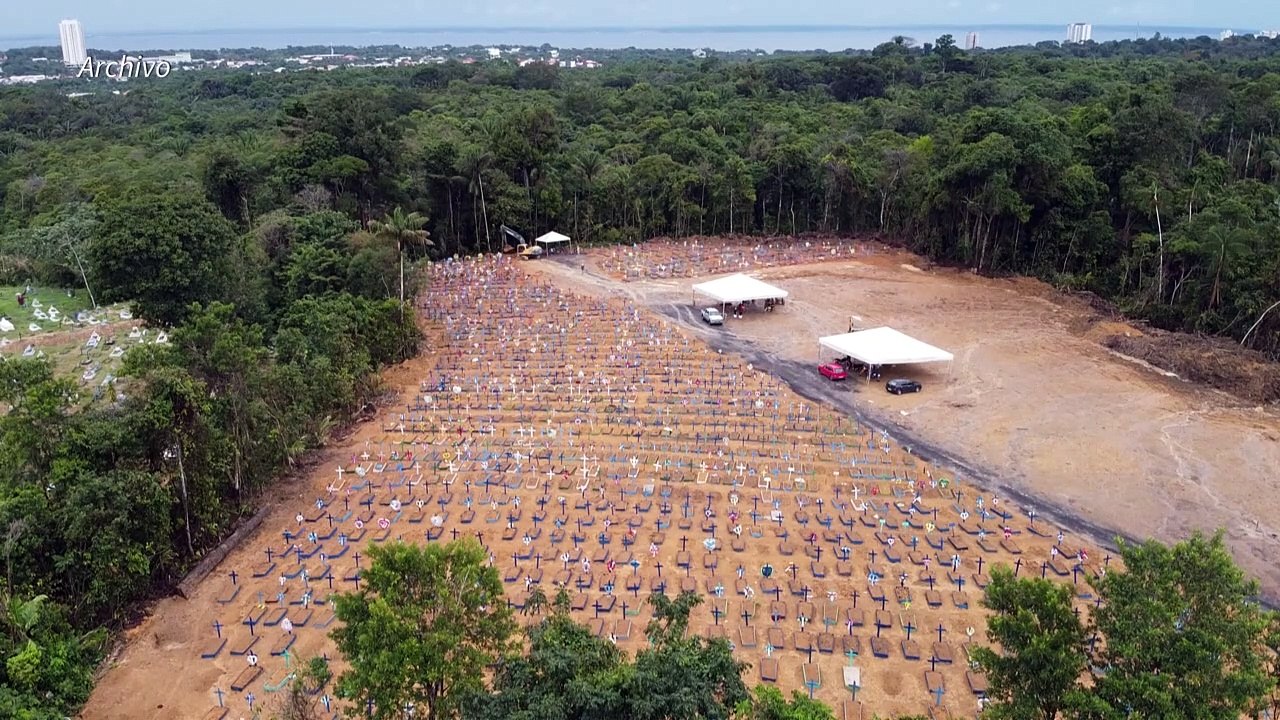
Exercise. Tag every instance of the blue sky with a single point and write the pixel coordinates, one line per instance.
(22, 17)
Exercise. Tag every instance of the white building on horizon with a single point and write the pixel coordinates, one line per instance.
(71, 34)
(971, 41)
(1226, 34)
(1079, 32)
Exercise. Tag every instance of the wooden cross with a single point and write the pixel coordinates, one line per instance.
(217, 628)
(941, 630)
(233, 575)
(910, 628)
(1017, 567)
(746, 617)
(219, 693)
(252, 623)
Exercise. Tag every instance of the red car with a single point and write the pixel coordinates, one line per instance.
(832, 370)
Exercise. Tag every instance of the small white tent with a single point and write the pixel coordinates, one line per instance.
(884, 346)
(552, 238)
(739, 288)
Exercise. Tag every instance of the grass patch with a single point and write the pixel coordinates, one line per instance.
(48, 297)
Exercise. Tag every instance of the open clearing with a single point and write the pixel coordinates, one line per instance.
(1035, 403)
(554, 400)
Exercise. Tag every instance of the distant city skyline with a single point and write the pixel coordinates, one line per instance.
(125, 16)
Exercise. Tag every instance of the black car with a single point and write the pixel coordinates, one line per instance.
(902, 385)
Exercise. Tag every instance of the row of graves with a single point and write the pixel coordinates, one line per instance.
(97, 357)
(667, 258)
(593, 447)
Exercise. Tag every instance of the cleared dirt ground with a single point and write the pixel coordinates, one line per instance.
(1034, 402)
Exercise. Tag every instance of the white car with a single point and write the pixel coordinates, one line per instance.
(712, 316)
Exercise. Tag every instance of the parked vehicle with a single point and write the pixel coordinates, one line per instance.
(832, 371)
(712, 316)
(853, 367)
(903, 385)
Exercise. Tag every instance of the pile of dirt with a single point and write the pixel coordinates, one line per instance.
(1215, 362)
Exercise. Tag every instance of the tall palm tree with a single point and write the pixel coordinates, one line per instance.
(587, 167)
(473, 163)
(405, 229)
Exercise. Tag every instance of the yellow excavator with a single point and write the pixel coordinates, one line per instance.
(517, 245)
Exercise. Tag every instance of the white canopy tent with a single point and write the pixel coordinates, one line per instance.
(552, 238)
(738, 289)
(884, 346)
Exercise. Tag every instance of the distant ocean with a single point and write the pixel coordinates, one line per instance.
(766, 38)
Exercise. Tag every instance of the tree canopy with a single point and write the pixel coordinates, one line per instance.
(422, 630)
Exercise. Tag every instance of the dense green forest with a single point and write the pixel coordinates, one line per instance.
(264, 217)
(1144, 171)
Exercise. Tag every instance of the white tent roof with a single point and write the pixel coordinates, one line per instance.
(884, 346)
(553, 237)
(739, 288)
